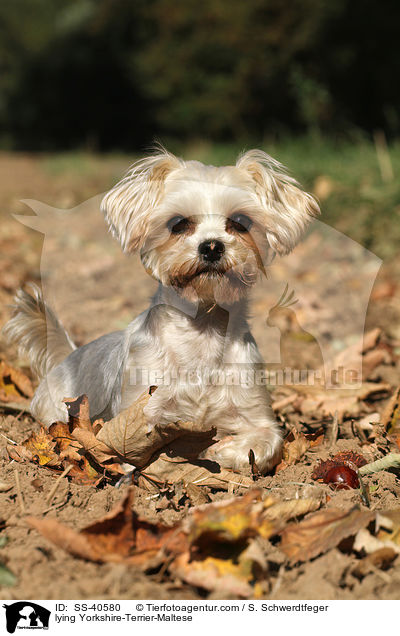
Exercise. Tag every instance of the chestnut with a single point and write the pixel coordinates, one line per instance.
(342, 477)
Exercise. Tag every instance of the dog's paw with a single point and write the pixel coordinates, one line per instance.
(233, 451)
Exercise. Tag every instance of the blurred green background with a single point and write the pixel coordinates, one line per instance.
(313, 82)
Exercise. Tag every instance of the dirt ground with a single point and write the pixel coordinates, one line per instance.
(96, 289)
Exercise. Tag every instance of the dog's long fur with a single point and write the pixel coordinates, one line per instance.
(197, 321)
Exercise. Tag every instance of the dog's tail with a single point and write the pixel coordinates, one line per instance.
(37, 332)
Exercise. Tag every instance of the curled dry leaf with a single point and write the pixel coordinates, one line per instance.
(346, 402)
(68, 447)
(365, 349)
(120, 536)
(129, 437)
(19, 453)
(227, 541)
(296, 445)
(390, 418)
(168, 470)
(321, 532)
(220, 546)
(224, 553)
(381, 558)
(42, 447)
(15, 386)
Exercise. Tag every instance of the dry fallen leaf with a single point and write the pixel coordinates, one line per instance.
(227, 541)
(15, 386)
(381, 558)
(346, 402)
(219, 546)
(390, 418)
(42, 447)
(168, 470)
(129, 437)
(120, 536)
(321, 532)
(364, 350)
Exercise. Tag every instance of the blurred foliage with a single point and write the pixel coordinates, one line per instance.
(109, 74)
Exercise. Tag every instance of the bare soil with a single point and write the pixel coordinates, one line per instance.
(96, 289)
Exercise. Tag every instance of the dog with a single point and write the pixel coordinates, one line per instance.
(204, 233)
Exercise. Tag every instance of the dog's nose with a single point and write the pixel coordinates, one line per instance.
(211, 250)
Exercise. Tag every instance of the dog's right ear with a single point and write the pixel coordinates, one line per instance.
(128, 206)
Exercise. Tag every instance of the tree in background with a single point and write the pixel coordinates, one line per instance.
(116, 73)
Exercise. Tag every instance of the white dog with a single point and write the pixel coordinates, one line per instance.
(204, 233)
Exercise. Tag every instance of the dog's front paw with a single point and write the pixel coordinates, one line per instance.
(233, 451)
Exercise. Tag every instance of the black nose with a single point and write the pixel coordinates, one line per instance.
(211, 250)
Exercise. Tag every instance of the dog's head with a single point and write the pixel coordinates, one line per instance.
(204, 230)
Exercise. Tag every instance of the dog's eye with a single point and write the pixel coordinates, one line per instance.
(239, 222)
(178, 224)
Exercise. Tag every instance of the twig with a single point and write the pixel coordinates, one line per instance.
(8, 439)
(54, 489)
(334, 430)
(60, 504)
(19, 492)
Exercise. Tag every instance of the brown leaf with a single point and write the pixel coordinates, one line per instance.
(294, 447)
(350, 357)
(226, 540)
(381, 558)
(120, 536)
(232, 520)
(19, 453)
(128, 436)
(224, 554)
(390, 418)
(225, 576)
(68, 447)
(346, 402)
(321, 532)
(79, 437)
(42, 446)
(168, 470)
(15, 386)
(284, 510)
(78, 412)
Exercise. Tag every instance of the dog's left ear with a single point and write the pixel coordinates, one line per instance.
(128, 207)
(288, 209)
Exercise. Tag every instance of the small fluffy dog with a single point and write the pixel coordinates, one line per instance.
(204, 233)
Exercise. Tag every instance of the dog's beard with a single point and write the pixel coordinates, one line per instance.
(224, 282)
(214, 284)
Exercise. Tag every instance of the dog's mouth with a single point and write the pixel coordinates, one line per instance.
(209, 272)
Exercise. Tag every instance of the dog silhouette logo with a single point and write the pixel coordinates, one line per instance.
(26, 615)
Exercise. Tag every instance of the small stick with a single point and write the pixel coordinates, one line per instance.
(54, 489)
(60, 504)
(334, 430)
(19, 492)
(8, 439)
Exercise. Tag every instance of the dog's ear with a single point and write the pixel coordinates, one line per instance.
(128, 206)
(288, 209)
